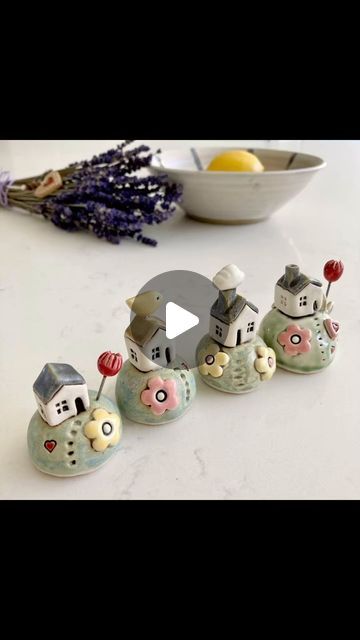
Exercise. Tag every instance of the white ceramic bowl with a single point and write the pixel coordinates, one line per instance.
(235, 197)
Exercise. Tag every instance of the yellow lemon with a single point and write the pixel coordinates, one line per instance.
(236, 161)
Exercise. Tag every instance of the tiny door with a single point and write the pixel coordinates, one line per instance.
(238, 340)
(79, 405)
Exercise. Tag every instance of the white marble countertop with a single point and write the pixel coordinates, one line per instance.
(62, 299)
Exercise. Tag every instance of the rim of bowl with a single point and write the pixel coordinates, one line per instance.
(321, 164)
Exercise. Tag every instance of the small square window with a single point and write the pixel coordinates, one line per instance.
(57, 404)
(303, 301)
(133, 355)
(59, 411)
(219, 331)
(156, 353)
(251, 327)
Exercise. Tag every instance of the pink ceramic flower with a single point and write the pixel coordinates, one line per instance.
(295, 340)
(160, 396)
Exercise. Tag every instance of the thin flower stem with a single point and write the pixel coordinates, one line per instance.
(100, 388)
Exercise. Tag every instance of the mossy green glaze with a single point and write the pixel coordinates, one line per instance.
(323, 348)
(69, 437)
(131, 383)
(240, 375)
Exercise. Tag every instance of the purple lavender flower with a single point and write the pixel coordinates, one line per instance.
(105, 196)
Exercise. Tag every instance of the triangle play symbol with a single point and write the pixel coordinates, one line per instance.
(178, 320)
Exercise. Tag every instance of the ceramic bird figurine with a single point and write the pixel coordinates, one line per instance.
(231, 357)
(299, 327)
(73, 431)
(145, 303)
(155, 385)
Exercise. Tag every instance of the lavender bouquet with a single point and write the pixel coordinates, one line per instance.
(104, 195)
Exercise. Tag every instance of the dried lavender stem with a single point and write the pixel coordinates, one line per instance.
(104, 195)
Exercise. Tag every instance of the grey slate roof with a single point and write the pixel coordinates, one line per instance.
(228, 315)
(294, 281)
(142, 330)
(53, 377)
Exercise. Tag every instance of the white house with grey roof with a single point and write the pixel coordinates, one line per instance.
(148, 347)
(233, 319)
(297, 295)
(60, 392)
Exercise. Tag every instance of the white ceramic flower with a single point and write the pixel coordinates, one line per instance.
(103, 430)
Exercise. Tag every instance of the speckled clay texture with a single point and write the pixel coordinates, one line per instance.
(323, 348)
(240, 375)
(73, 454)
(131, 383)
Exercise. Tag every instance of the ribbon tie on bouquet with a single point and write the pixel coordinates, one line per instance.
(5, 184)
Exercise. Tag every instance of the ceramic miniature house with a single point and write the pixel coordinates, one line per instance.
(155, 385)
(296, 295)
(61, 393)
(233, 319)
(232, 357)
(148, 347)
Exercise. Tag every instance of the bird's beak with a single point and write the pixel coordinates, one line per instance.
(130, 302)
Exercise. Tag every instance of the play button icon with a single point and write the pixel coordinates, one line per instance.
(178, 320)
(172, 316)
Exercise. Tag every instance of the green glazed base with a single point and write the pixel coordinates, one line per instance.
(131, 383)
(60, 462)
(240, 375)
(323, 348)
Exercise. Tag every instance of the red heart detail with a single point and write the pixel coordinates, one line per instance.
(50, 445)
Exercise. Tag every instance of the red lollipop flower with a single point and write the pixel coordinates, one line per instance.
(109, 364)
(333, 271)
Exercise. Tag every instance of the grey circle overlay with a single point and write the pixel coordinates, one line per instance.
(192, 292)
